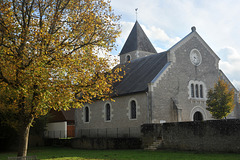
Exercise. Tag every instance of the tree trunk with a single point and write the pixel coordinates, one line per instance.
(23, 138)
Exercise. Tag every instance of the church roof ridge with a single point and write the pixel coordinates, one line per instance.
(137, 40)
(146, 57)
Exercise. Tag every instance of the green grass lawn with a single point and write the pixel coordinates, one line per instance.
(59, 153)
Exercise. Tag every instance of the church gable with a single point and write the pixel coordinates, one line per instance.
(193, 41)
(191, 70)
(193, 54)
(190, 58)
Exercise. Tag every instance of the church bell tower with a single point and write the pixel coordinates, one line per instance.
(136, 46)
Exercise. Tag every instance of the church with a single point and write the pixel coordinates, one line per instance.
(170, 86)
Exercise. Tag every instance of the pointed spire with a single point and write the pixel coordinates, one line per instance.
(137, 40)
(136, 13)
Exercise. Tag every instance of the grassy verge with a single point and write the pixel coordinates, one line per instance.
(58, 153)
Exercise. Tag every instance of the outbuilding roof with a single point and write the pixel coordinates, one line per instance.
(61, 116)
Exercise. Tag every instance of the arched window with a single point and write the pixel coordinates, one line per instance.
(192, 90)
(197, 92)
(128, 58)
(133, 110)
(201, 91)
(197, 116)
(108, 112)
(86, 110)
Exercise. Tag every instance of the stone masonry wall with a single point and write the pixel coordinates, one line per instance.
(174, 84)
(120, 124)
(210, 136)
(106, 143)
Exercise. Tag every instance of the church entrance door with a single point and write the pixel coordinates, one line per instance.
(197, 116)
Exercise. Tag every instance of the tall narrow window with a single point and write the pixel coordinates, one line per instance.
(133, 110)
(86, 114)
(128, 58)
(192, 90)
(201, 91)
(197, 92)
(108, 112)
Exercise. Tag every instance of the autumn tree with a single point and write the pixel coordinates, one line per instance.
(48, 57)
(220, 100)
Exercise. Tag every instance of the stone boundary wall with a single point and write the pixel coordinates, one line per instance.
(150, 133)
(210, 136)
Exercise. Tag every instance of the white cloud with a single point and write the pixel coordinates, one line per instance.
(230, 64)
(159, 36)
(156, 33)
(236, 84)
(126, 28)
(111, 59)
(159, 50)
(230, 60)
(226, 67)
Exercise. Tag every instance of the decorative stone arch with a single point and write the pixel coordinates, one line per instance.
(84, 114)
(197, 110)
(129, 112)
(105, 113)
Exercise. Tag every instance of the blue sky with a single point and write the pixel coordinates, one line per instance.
(167, 21)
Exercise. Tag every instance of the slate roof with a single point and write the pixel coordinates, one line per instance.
(69, 114)
(139, 73)
(61, 116)
(137, 40)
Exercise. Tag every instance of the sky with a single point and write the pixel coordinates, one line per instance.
(165, 22)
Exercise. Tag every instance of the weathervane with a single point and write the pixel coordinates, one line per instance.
(136, 13)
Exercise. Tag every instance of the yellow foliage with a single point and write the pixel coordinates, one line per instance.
(220, 100)
(48, 54)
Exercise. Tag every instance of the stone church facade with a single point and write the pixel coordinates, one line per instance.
(170, 86)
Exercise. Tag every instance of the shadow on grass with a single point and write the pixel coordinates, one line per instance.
(61, 153)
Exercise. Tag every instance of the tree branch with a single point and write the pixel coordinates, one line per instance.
(3, 79)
